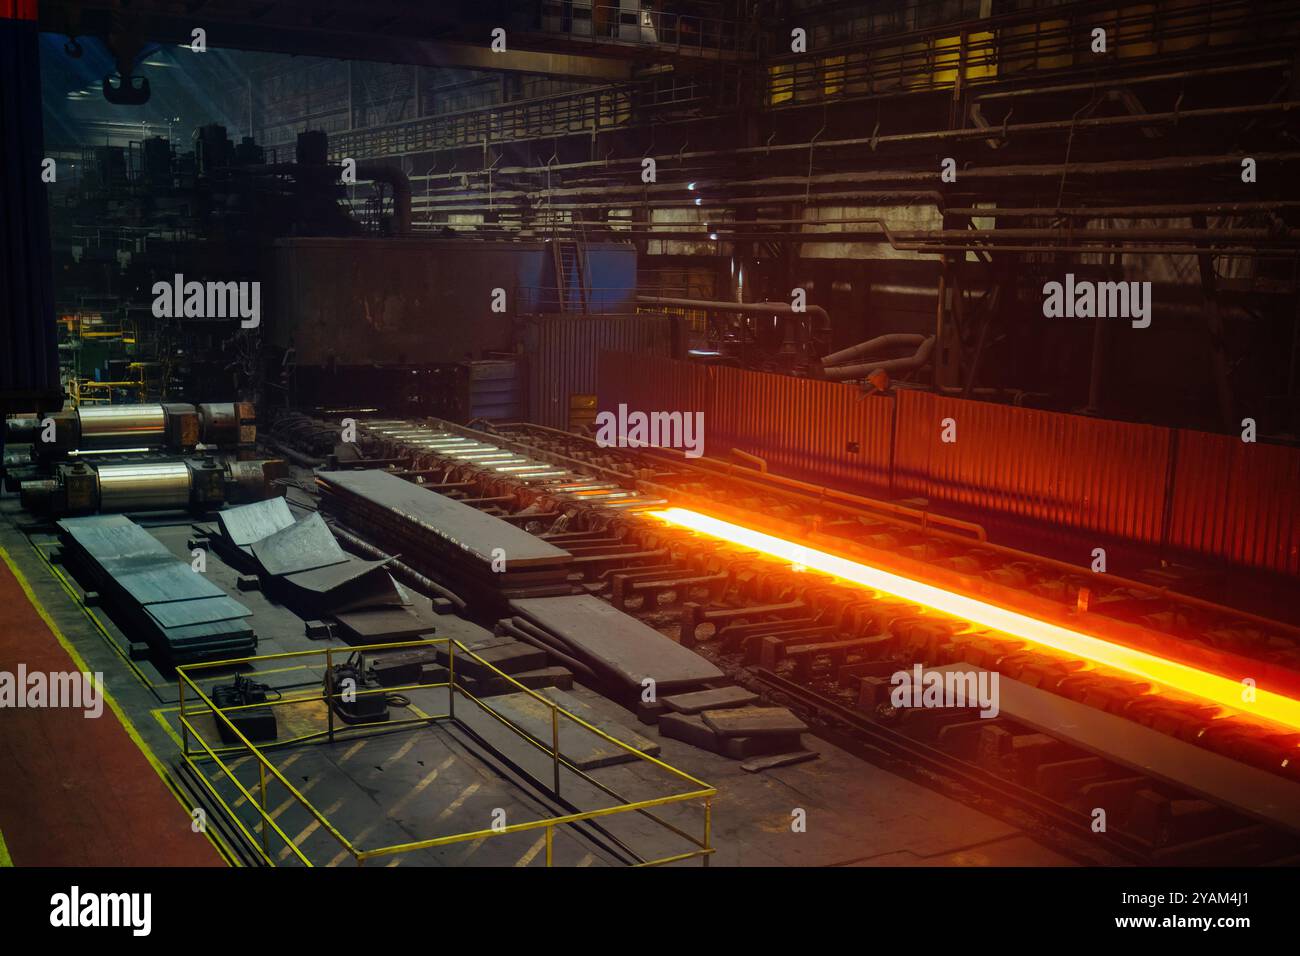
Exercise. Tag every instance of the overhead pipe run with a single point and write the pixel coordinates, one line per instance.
(874, 142)
(749, 308)
(925, 178)
(892, 340)
(802, 318)
(910, 363)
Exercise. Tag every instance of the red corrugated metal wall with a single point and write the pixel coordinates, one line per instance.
(650, 382)
(563, 350)
(18, 9)
(1237, 500)
(1181, 493)
(1035, 467)
(804, 429)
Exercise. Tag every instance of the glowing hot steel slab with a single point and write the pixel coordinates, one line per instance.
(1217, 689)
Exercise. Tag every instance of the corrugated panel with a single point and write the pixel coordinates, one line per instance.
(1035, 467)
(564, 351)
(809, 429)
(28, 351)
(18, 9)
(651, 383)
(495, 390)
(1047, 475)
(1237, 500)
(822, 431)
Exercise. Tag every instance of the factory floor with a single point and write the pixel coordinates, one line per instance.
(107, 791)
(79, 791)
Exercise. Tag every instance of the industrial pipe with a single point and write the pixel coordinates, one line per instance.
(401, 185)
(874, 142)
(404, 572)
(752, 308)
(928, 178)
(880, 342)
(910, 363)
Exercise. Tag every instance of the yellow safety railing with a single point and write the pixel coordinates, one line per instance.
(202, 751)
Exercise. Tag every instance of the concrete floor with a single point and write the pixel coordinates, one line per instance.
(432, 781)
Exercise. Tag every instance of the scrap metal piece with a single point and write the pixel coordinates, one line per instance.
(245, 524)
(303, 546)
(759, 764)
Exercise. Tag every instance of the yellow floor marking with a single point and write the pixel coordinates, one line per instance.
(233, 765)
(421, 786)
(532, 851)
(455, 804)
(351, 751)
(431, 776)
(401, 751)
(311, 828)
(76, 594)
(470, 850)
(80, 663)
(291, 799)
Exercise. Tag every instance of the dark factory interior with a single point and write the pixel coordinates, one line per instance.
(681, 433)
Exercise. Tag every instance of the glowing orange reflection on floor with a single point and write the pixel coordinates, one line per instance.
(1181, 677)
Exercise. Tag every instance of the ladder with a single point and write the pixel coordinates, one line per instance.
(569, 262)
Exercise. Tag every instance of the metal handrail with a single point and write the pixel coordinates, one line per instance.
(681, 33)
(981, 50)
(497, 122)
(702, 791)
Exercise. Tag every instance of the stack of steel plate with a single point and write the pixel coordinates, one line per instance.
(162, 600)
(623, 651)
(487, 559)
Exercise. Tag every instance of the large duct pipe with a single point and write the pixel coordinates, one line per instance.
(842, 373)
(880, 342)
(401, 183)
